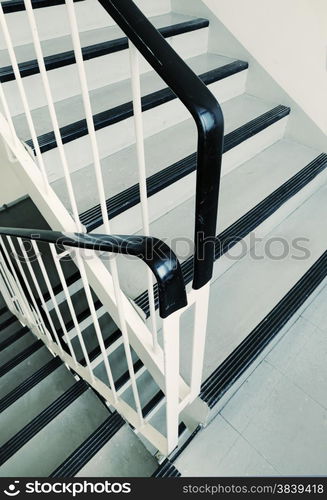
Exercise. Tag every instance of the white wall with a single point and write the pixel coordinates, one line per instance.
(10, 187)
(288, 38)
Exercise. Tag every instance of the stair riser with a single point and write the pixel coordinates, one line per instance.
(101, 71)
(180, 191)
(53, 22)
(120, 135)
(251, 147)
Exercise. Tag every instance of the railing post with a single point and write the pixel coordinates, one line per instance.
(199, 338)
(171, 343)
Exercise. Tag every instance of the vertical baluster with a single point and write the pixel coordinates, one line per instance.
(25, 306)
(38, 315)
(139, 134)
(102, 197)
(52, 111)
(87, 290)
(14, 63)
(71, 309)
(8, 291)
(54, 302)
(38, 289)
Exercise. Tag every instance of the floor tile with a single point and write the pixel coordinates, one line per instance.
(317, 310)
(248, 401)
(205, 453)
(301, 355)
(243, 460)
(290, 431)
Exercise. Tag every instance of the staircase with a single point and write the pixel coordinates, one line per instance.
(268, 245)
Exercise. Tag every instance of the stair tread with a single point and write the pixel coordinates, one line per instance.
(123, 455)
(17, 375)
(241, 190)
(29, 383)
(33, 402)
(87, 450)
(58, 51)
(120, 169)
(10, 6)
(4, 344)
(16, 344)
(19, 357)
(112, 102)
(62, 435)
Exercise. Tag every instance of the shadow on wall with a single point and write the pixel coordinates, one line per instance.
(24, 214)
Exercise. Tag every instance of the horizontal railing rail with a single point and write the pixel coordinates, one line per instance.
(206, 112)
(155, 253)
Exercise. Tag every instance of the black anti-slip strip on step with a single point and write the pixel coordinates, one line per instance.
(43, 419)
(123, 111)
(157, 398)
(130, 197)
(252, 219)
(29, 383)
(29, 68)
(15, 336)
(166, 469)
(125, 377)
(18, 5)
(94, 443)
(232, 368)
(20, 357)
(9, 321)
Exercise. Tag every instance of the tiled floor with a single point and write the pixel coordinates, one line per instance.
(276, 423)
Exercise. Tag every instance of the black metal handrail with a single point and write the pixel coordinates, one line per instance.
(208, 117)
(155, 253)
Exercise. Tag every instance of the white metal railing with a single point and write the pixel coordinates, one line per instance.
(20, 277)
